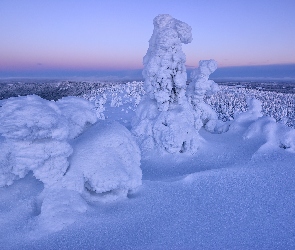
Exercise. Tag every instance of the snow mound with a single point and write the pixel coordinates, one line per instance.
(106, 160)
(272, 134)
(244, 119)
(35, 136)
(275, 135)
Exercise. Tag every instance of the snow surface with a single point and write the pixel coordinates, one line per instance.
(236, 192)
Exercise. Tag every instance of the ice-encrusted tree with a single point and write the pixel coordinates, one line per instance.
(200, 87)
(164, 63)
(165, 117)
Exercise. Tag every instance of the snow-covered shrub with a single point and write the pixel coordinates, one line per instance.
(199, 88)
(164, 63)
(35, 136)
(275, 135)
(263, 128)
(106, 161)
(164, 117)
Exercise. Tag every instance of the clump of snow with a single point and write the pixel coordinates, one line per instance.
(35, 135)
(104, 166)
(199, 88)
(32, 118)
(106, 160)
(275, 135)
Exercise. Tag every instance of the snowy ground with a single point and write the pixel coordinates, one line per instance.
(236, 192)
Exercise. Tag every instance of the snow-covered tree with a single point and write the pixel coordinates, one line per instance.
(200, 87)
(164, 63)
(164, 117)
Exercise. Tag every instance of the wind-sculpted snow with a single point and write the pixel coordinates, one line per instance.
(104, 166)
(36, 136)
(258, 127)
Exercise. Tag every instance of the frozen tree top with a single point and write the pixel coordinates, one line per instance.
(165, 21)
(206, 67)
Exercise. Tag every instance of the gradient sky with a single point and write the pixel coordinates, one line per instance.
(76, 35)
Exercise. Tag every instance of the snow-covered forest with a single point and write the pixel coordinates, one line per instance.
(174, 162)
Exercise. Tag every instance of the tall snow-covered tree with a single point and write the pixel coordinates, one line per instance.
(165, 117)
(164, 63)
(200, 87)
